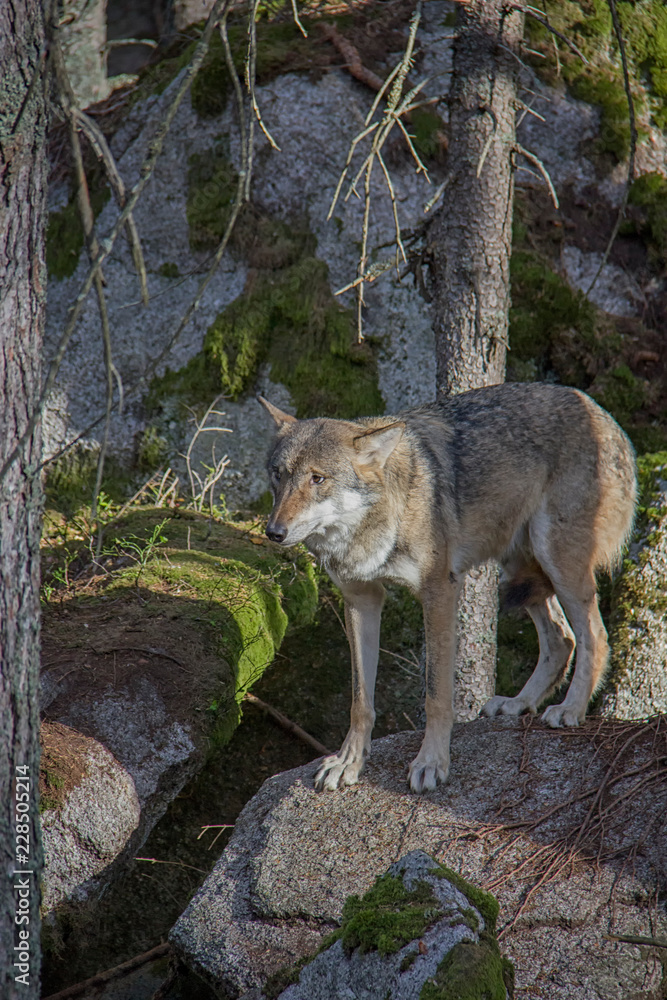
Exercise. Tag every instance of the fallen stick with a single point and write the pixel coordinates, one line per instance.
(352, 58)
(287, 724)
(123, 969)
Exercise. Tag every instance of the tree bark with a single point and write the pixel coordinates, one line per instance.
(471, 239)
(22, 299)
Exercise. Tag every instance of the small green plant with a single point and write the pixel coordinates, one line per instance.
(139, 549)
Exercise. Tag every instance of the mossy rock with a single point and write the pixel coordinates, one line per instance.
(636, 686)
(287, 317)
(589, 25)
(648, 197)
(388, 916)
(64, 233)
(223, 582)
(396, 912)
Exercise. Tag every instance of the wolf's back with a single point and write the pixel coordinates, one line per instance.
(503, 452)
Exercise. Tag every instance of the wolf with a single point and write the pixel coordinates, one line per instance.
(535, 476)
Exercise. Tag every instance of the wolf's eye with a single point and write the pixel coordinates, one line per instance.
(276, 474)
(316, 479)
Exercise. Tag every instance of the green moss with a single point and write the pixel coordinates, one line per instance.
(51, 783)
(605, 89)
(484, 902)
(212, 183)
(518, 652)
(388, 916)
(544, 308)
(292, 321)
(620, 392)
(169, 270)
(408, 961)
(471, 971)
(70, 480)
(251, 593)
(589, 25)
(64, 235)
(427, 129)
(648, 194)
(152, 451)
(280, 48)
(631, 595)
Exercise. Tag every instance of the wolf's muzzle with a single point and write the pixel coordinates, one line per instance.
(276, 532)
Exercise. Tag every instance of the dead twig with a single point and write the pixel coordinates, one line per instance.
(538, 15)
(287, 724)
(630, 939)
(350, 54)
(107, 244)
(100, 145)
(118, 971)
(633, 146)
(542, 169)
(396, 106)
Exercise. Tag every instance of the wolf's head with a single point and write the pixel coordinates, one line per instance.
(325, 475)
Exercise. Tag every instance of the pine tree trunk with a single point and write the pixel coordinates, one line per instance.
(22, 297)
(472, 239)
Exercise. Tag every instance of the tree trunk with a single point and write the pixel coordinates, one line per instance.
(472, 239)
(22, 297)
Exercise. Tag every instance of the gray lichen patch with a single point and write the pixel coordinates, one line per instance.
(637, 684)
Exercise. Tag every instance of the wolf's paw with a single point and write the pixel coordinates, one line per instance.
(425, 772)
(563, 715)
(507, 706)
(343, 768)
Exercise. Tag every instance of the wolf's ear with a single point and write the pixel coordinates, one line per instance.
(280, 418)
(375, 447)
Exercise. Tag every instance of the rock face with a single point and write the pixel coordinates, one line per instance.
(313, 123)
(97, 819)
(565, 828)
(371, 960)
(637, 684)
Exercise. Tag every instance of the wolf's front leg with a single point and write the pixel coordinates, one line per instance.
(363, 609)
(439, 599)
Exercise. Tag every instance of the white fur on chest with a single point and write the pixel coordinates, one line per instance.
(403, 569)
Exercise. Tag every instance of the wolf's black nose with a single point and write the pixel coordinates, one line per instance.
(278, 533)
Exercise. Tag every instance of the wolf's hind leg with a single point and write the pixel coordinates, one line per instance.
(363, 609)
(581, 606)
(556, 649)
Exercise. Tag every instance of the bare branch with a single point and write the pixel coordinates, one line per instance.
(538, 15)
(438, 194)
(392, 195)
(633, 145)
(350, 53)
(250, 70)
(295, 15)
(99, 143)
(371, 273)
(542, 169)
(107, 244)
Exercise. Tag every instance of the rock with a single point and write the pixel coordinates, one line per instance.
(636, 687)
(379, 954)
(90, 810)
(157, 679)
(544, 819)
(614, 291)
